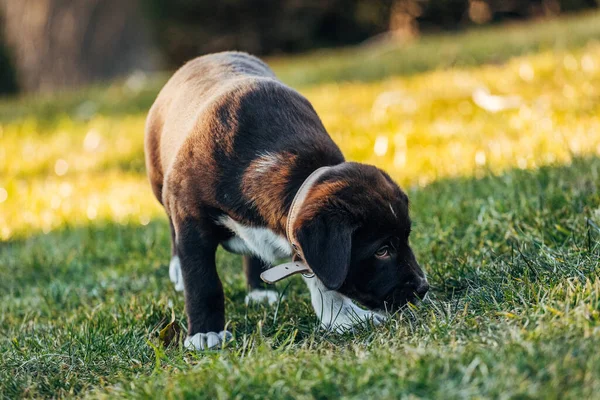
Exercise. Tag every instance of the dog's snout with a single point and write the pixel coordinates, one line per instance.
(422, 289)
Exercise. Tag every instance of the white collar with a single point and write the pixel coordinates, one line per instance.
(298, 263)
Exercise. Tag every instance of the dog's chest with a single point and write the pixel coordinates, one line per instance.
(261, 242)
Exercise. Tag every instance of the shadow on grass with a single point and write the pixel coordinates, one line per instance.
(469, 234)
(80, 304)
(523, 227)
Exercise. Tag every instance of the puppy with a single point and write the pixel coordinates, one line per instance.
(241, 160)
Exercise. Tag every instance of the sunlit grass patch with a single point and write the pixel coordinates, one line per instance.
(67, 148)
(44, 204)
(530, 112)
(375, 60)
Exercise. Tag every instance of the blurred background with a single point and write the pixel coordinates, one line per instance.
(48, 45)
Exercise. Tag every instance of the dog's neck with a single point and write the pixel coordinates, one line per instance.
(298, 263)
(296, 207)
(272, 182)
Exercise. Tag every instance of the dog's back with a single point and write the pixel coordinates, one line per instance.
(216, 115)
(185, 97)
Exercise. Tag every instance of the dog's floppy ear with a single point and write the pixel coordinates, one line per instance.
(326, 244)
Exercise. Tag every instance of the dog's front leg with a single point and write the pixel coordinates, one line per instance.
(204, 299)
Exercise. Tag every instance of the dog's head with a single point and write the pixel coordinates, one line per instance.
(354, 230)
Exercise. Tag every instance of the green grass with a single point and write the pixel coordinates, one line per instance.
(374, 61)
(506, 208)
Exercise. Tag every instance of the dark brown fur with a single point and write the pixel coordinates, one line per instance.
(225, 138)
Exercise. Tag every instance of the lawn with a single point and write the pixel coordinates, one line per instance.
(506, 205)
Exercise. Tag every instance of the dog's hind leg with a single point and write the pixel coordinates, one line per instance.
(175, 264)
(253, 267)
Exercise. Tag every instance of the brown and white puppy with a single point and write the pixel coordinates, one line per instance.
(227, 148)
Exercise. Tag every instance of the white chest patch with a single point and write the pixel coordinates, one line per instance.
(261, 242)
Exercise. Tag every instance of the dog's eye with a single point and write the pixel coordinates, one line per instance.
(383, 252)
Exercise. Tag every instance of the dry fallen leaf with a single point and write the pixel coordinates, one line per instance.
(170, 334)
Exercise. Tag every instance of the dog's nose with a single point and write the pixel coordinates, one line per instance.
(422, 289)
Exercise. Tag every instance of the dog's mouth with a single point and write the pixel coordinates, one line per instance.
(397, 300)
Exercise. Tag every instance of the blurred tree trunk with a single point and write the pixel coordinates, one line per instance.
(66, 43)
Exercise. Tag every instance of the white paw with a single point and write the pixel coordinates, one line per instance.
(260, 296)
(351, 316)
(207, 341)
(175, 273)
